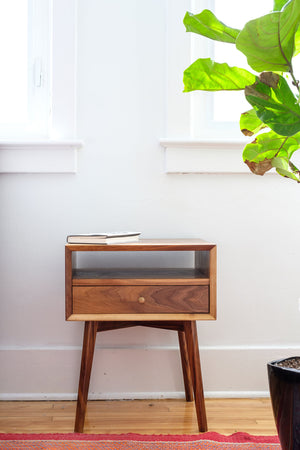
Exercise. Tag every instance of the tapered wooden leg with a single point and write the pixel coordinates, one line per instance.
(194, 359)
(88, 347)
(187, 376)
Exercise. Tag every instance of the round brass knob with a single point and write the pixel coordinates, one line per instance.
(141, 300)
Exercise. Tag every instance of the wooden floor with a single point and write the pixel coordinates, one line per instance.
(225, 416)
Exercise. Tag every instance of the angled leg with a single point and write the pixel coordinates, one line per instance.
(187, 376)
(194, 359)
(88, 347)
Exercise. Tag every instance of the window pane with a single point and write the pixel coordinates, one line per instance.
(14, 66)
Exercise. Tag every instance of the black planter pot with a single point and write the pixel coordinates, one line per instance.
(284, 386)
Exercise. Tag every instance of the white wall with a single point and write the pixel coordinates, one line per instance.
(121, 184)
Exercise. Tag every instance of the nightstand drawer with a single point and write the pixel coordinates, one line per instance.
(140, 299)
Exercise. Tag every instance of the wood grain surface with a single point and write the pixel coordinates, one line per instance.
(225, 416)
(140, 299)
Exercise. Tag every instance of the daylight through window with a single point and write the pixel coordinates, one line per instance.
(24, 75)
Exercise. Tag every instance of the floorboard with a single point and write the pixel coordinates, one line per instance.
(225, 416)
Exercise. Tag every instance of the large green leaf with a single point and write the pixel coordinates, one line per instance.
(286, 168)
(250, 124)
(297, 42)
(270, 150)
(207, 75)
(269, 144)
(279, 4)
(268, 42)
(208, 25)
(275, 104)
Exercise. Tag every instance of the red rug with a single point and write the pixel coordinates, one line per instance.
(205, 441)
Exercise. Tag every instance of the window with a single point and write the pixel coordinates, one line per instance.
(223, 109)
(201, 126)
(13, 79)
(25, 58)
(37, 107)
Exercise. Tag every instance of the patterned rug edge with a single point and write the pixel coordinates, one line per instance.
(239, 437)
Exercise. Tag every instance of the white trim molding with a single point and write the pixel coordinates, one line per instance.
(203, 156)
(228, 371)
(39, 156)
(53, 396)
(64, 69)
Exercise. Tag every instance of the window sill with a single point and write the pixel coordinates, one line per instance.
(203, 156)
(45, 156)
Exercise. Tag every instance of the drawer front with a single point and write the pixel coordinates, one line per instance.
(140, 299)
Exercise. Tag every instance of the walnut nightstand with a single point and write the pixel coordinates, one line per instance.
(172, 299)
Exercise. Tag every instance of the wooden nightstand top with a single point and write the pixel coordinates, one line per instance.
(147, 245)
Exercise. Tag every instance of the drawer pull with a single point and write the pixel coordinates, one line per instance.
(141, 300)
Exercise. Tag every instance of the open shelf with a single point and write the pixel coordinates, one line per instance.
(136, 287)
(139, 276)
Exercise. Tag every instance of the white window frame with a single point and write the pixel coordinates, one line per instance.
(57, 152)
(183, 152)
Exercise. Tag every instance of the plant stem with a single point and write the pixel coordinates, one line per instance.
(281, 146)
(289, 63)
(294, 82)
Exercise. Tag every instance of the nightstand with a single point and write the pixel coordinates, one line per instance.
(167, 298)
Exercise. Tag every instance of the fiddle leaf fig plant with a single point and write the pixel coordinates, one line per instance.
(270, 44)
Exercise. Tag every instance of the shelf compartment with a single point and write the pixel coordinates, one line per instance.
(201, 275)
(133, 276)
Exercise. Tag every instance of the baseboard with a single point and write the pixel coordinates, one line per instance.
(51, 373)
(130, 396)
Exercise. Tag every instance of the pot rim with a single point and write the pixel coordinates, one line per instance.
(288, 369)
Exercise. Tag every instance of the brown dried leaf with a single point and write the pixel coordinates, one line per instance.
(247, 132)
(270, 79)
(252, 90)
(261, 167)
